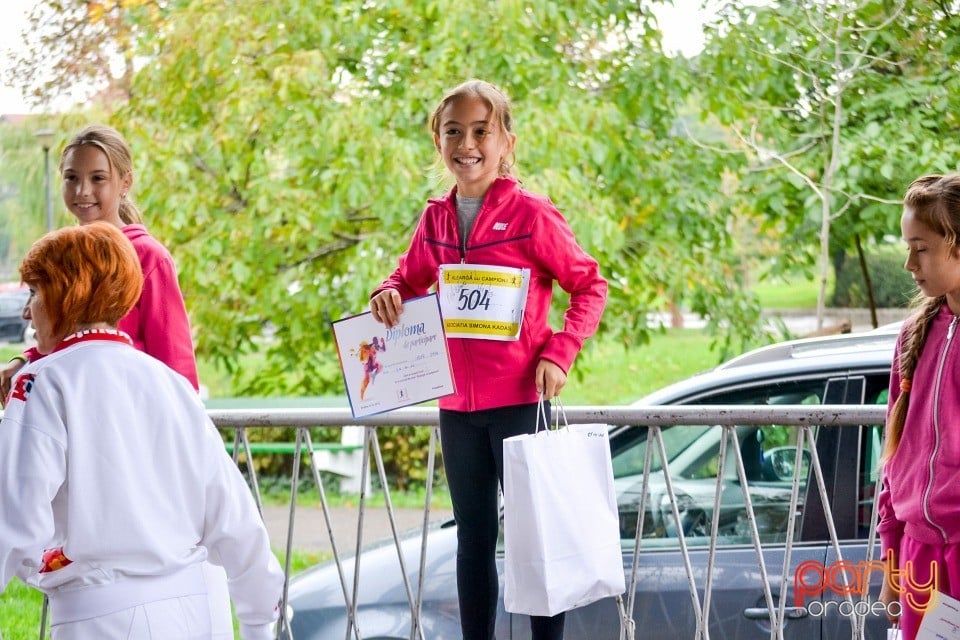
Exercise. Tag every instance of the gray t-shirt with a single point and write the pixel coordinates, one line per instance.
(467, 209)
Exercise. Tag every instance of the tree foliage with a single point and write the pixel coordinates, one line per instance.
(283, 153)
(285, 159)
(22, 204)
(836, 107)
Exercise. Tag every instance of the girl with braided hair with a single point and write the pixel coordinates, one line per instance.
(919, 501)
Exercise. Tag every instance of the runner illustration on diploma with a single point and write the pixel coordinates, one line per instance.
(367, 353)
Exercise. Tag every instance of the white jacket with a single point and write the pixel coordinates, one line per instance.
(108, 453)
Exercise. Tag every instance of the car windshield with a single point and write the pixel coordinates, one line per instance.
(692, 454)
(629, 460)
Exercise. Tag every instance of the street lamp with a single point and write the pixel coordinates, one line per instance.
(45, 137)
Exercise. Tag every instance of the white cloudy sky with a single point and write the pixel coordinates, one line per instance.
(680, 24)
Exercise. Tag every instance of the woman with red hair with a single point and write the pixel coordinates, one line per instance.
(96, 170)
(115, 487)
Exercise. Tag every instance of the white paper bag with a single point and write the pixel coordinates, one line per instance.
(561, 529)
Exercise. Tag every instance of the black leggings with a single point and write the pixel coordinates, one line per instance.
(472, 445)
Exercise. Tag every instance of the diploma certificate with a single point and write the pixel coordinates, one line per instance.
(942, 620)
(385, 369)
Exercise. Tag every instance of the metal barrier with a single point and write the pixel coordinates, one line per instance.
(802, 417)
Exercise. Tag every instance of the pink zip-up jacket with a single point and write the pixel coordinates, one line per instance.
(920, 495)
(519, 229)
(158, 323)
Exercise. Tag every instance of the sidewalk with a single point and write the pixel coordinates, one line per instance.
(310, 529)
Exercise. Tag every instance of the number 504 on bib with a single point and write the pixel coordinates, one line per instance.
(484, 302)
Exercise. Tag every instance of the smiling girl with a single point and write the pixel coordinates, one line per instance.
(97, 171)
(96, 168)
(492, 224)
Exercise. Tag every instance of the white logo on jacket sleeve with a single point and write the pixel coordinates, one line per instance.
(499, 226)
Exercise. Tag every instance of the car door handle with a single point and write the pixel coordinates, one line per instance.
(761, 613)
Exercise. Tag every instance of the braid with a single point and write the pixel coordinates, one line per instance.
(910, 348)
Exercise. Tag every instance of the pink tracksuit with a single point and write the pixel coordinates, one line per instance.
(919, 502)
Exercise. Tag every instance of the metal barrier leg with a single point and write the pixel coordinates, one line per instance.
(416, 630)
(393, 527)
(328, 521)
(43, 618)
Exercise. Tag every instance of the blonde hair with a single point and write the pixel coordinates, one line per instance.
(112, 144)
(934, 201)
(494, 98)
(84, 274)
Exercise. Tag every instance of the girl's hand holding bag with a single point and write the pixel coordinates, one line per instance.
(561, 528)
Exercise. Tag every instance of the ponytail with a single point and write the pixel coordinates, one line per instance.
(129, 213)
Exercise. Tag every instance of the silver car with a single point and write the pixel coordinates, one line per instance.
(850, 369)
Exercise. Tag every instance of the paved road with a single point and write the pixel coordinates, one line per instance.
(310, 528)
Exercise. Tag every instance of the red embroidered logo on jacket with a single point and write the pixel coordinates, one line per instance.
(22, 387)
(54, 560)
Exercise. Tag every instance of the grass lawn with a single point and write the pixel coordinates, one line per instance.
(20, 607)
(790, 293)
(606, 373)
(7, 351)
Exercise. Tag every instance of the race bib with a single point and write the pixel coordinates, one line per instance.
(482, 301)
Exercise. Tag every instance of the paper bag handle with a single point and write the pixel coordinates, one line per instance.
(542, 413)
(559, 413)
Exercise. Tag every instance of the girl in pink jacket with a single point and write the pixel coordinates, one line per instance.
(503, 233)
(919, 501)
(96, 168)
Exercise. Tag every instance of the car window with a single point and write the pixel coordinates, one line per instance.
(693, 458)
(877, 392)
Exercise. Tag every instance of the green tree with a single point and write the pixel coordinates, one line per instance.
(22, 189)
(285, 160)
(836, 107)
(21, 196)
